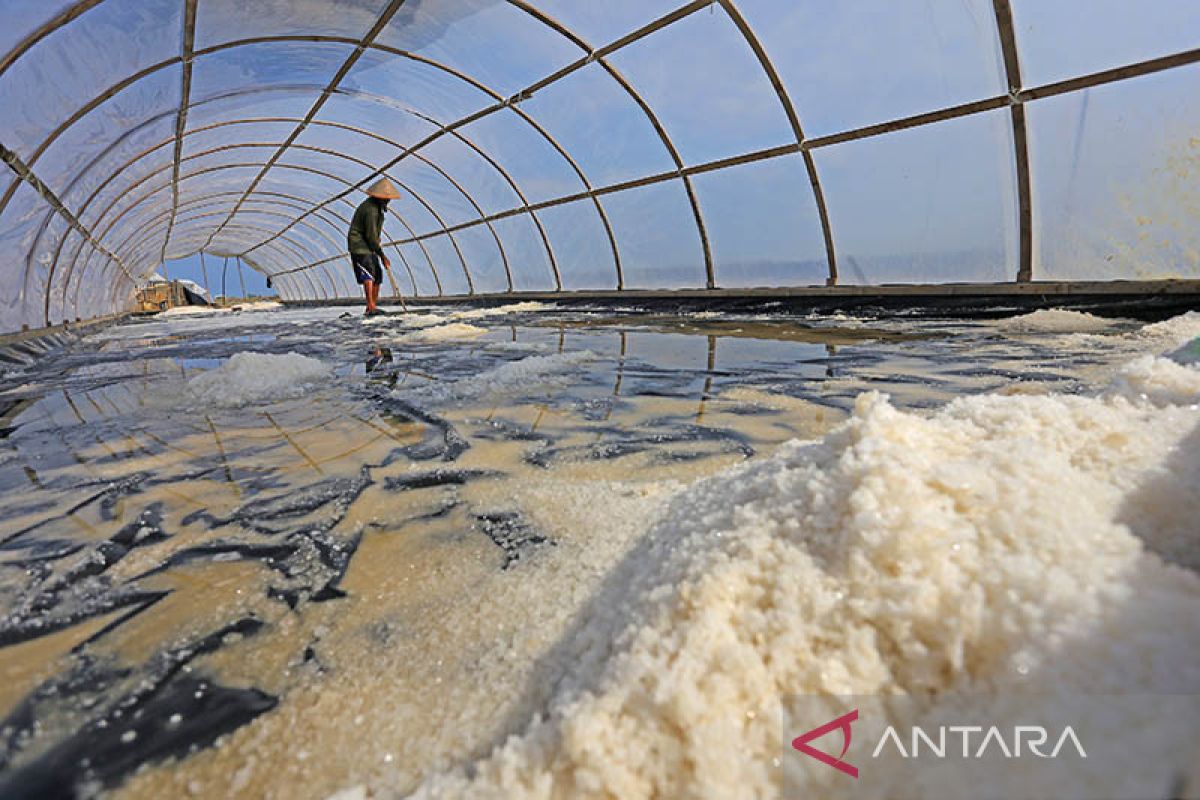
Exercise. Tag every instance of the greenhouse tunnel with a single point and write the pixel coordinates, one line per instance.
(546, 146)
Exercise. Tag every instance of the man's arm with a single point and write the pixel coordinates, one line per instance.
(377, 243)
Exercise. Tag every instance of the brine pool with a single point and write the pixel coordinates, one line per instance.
(552, 552)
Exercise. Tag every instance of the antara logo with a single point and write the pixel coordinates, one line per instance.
(843, 723)
(1023, 739)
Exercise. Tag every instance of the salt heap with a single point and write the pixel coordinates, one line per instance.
(441, 333)
(1001, 542)
(257, 377)
(1054, 320)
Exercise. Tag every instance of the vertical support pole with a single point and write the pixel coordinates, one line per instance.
(204, 272)
(789, 108)
(241, 278)
(224, 269)
(1012, 70)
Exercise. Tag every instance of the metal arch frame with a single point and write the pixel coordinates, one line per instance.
(26, 175)
(804, 147)
(147, 240)
(661, 177)
(295, 248)
(299, 204)
(229, 147)
(988, 104)
(247, 225)
(575, 167)
(390, 142)
(95, 193)
(185, 92)
(71, 267)
(512, 103)
(199, 202)
(153, 192)
(324, 274)
(655, 123)
(338, 125)
(360, 46)
(452, 129)
(204, 171)
(82, 112)
(285, 200)
(45, 29)
(384, 18)
(482, 154)
(478, 210)
(420, 199)
(74, 258)
(134, 245)
(327, 39)
(793, 117)
(150, 121)
(553, 261)
(273, 199)
(110, 178)
(1014, 99)
(158, 218)
(1012, 72)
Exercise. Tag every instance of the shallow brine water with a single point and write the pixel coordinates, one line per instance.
(550, 552)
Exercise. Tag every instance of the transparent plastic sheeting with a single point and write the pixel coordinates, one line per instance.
(545, 145)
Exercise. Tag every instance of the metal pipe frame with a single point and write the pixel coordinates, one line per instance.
(74, 258)
(225, 148)
(869, 131)
(513, 102)
(649, 180)
(360, 46)
(579, 42)
(146, 152)
(165, 214)
(67, 276)
(24, 173)
(1012, 73)
(789, 108)
(347, 65)
(146, 196)
(135, 246)
(189, 40)
(207, 170)
(1015, 100)
(277, 39)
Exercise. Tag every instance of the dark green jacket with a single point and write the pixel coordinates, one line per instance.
(366, 228)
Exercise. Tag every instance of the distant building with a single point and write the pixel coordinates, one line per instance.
(159, 294)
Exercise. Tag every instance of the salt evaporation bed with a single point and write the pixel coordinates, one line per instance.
(519, 375)
(514, 564)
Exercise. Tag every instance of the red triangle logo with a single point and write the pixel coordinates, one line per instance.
(842, 723)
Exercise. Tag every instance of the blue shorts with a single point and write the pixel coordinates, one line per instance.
(367, 267)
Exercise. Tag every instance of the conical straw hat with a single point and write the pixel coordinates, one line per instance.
(383, 189)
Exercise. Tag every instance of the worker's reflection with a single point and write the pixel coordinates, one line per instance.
(379, 359)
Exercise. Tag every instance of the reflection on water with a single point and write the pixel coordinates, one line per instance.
(327, 580)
